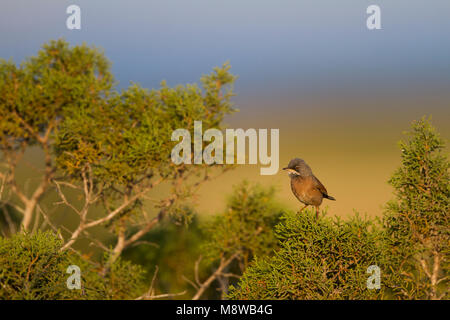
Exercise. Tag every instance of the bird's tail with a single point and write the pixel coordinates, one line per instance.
(329, 197)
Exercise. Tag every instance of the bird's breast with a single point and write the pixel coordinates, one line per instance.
(303, 189)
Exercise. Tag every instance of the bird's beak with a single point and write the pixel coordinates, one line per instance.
(291, 171)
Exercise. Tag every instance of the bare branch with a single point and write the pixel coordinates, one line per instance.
(150, 296)
(166, 295)
(3, 178)
(150, 290)
(11, 225)
(47, 220)
(196, 267)
(190, 282)
(150, 224)
(223, 264)
(63, 198)
(124, 204)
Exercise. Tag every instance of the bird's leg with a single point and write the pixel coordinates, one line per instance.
(317, 213)
(303, 208)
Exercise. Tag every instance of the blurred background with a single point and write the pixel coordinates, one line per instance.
(340, 94)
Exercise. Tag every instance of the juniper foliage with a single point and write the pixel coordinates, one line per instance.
(33, 267)
(317, 259)
(246, 226)
(417, 220)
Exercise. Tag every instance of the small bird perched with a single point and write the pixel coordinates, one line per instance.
(305, 186)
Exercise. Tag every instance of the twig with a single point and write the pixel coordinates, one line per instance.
(190, 282)
(166, 295)
(207, 283)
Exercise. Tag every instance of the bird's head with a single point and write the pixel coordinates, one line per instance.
(298, 167)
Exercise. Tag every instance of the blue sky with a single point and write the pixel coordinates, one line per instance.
(274, 46)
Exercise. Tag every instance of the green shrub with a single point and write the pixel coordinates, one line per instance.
(417, 221)
(246, 226)
(318, 259)
(33, 267)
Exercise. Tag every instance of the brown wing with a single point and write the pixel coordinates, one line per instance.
(319, 186)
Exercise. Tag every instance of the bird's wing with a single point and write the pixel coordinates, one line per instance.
(319, 186)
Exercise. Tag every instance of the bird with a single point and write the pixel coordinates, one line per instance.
(305, 186)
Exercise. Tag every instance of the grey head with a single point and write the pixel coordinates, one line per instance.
(298, 167)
